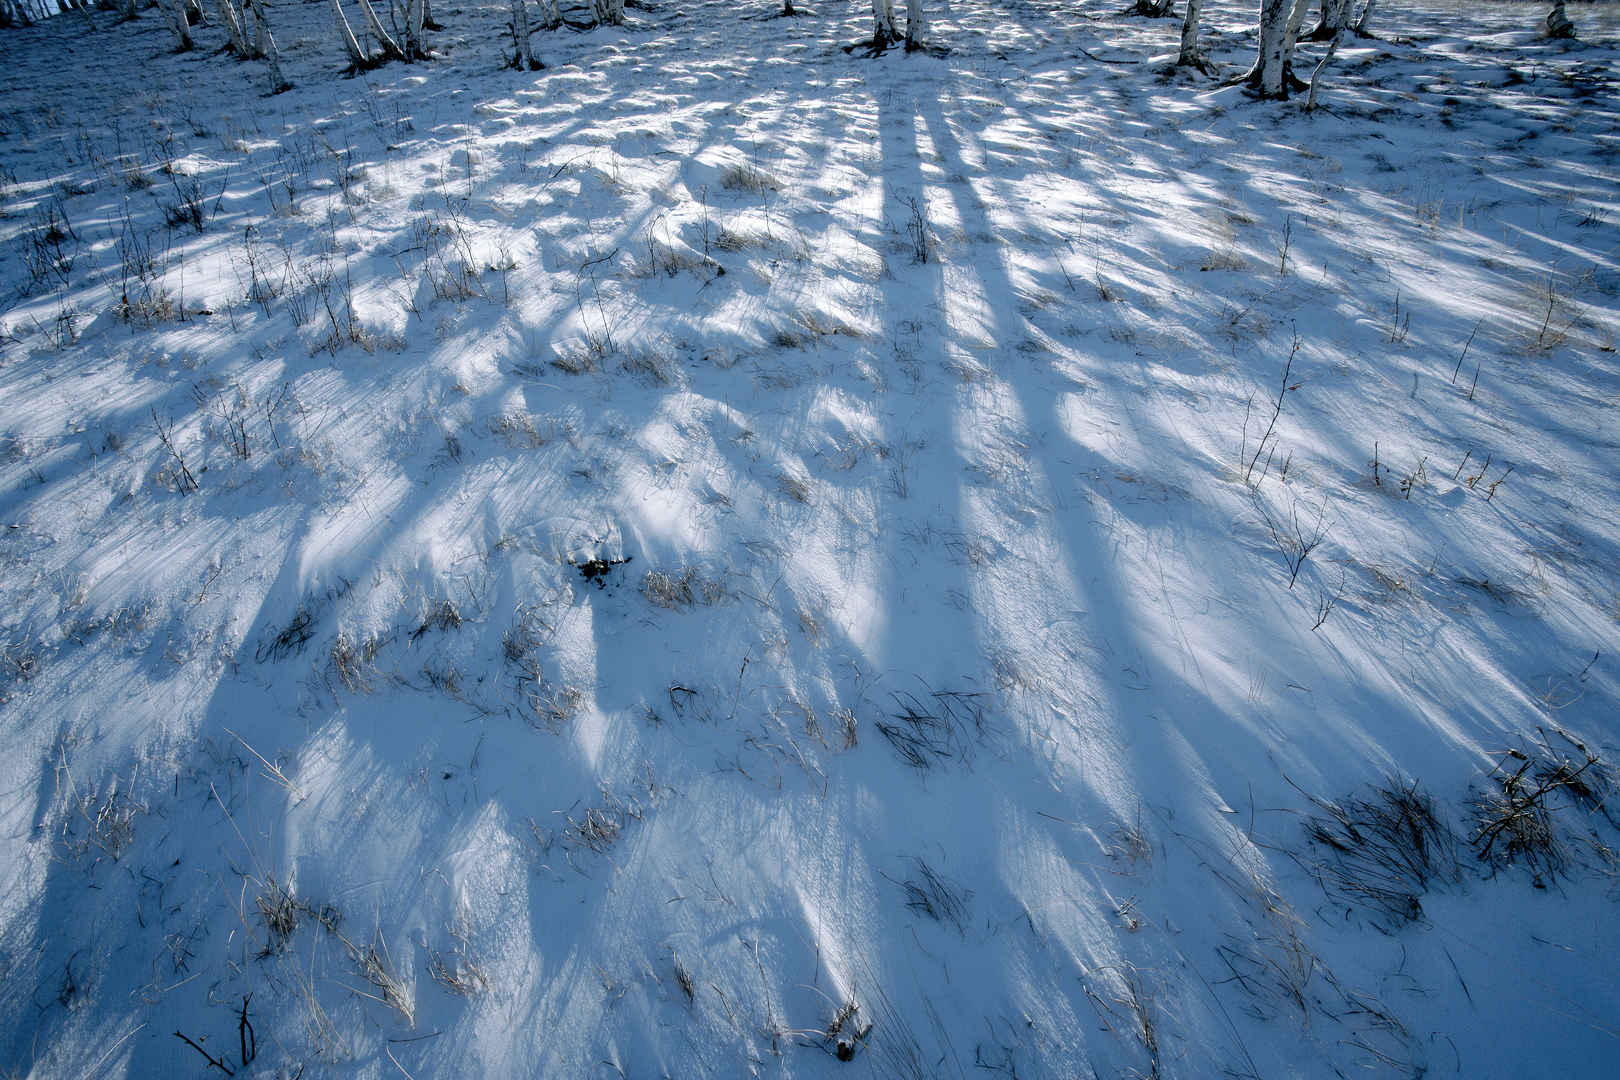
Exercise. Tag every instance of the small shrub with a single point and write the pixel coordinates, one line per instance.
(1513, 822)
(681, 588)
(441, 616)
(190, 206)
(1384, 850)
(936, 897)
(748, 178)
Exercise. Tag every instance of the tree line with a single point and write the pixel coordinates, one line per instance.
(401, 35)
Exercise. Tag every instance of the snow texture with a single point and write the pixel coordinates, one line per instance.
(728, 555)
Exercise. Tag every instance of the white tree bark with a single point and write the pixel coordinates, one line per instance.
(1316, 73)
(264, 46)
(1267, 76)
(884, 31)
(178, 20)
(415, 16)
(1272, 75)
(1296, 19)
(520, 32)
(550, 17)
(351, 47)
(1335, 17)
(390, 46)
(234, 30)
(1361, 23)
(1557, 24)
(1190, 55)
(916, 24)
(609, 12)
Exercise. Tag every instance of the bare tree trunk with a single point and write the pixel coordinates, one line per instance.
(1557, 24)
(390, 47)
(1316, 73)
(1296, 18)
(182, 27)
(415, 15)
(351, 47)
(1272, 75)
(1360, 29)
(609, 12)
(1191, 55)
(916, 24)
(550, 17)
(235, 31)
(264, 45)
(1266, 77)
(520, 32)
(1335, 18)
(884, 31)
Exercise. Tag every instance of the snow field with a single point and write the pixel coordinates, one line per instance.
(723, 555)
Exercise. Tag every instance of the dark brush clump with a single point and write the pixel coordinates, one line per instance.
(597, 570)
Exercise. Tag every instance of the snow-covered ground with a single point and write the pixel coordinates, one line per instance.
(726, 554)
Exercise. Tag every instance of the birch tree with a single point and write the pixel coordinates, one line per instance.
(1191, 55)
(1557, 24)
(264, 46)
(916, 25)
(1335, 20)
(391, 48)
(1152, 9)
(358, 61)
(1272, 75)
(1296, 19)
(520, 37)
(415, 17)
(235, 31)
(181, 24)
(608, 12)
(884, 30)
(1360, 28)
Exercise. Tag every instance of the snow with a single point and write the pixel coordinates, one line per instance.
(725, 527)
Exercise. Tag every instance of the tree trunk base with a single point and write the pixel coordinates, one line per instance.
(1198, 61)
(360, 67)
(1151, 9)
(1250, 81)
(874, 46)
